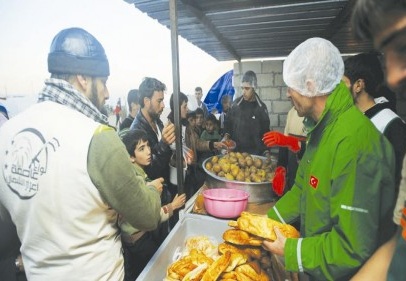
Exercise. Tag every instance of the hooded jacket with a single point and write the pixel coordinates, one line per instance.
(343, 194)
(246, 123)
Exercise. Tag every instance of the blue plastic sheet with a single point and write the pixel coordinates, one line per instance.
(223, 86)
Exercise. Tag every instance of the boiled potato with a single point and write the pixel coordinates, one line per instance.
(229, 176)
(241, 167)
(216, 168)
(209, 165)
(225, 167)
(258, 162)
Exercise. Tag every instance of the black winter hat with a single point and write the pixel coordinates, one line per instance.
(76, 51)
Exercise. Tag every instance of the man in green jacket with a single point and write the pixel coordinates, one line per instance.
(344, 190)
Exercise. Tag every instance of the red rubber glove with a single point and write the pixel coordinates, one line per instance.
(278, 182)
(273, 138)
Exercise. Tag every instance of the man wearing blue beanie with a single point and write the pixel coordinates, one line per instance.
(66, 174)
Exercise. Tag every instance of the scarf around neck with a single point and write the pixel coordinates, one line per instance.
(62, 92)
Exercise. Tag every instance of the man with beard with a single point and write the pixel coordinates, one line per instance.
(160, 137)
(385, 23)
(344, 190)
(66, 174)
(363, 75)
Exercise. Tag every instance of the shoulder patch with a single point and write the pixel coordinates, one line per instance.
(102, 128)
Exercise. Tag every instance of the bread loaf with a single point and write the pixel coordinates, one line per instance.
(217, 267)
(263, 226)
(241, 237)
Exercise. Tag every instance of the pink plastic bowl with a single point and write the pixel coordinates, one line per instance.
(225, 202)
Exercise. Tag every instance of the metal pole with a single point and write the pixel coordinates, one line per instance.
(176, 89)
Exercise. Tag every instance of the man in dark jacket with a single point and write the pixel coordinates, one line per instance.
(133, 107)
(363, 74)
(160, 136)
(248, 114)
(151, 99)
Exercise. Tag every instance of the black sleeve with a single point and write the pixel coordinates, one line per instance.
(396, 134)
(283, 156)
(228, 125)
(160, 161)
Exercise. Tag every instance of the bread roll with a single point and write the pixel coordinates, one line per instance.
(241, 237)
(263, 226)
(217, 267)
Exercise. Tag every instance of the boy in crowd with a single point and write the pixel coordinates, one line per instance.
(199, 121)
(211, 131)
(191, 118)
(209, 134)
(140, 246)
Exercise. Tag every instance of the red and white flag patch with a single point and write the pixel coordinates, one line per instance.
(313, 181)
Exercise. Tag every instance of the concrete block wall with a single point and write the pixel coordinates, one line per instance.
(271, 88)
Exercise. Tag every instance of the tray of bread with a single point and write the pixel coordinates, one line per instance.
(206, 248)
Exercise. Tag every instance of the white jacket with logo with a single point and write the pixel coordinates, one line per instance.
(66, 229)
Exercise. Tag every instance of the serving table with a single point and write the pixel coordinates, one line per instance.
(194, 221)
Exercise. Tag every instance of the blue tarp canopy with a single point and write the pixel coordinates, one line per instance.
(223, 86)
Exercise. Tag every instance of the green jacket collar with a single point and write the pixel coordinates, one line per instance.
(338, 101)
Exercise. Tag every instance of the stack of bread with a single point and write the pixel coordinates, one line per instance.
(239, 257)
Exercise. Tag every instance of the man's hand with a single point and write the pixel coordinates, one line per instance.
(226, 137)
(276, 247)
(188, 154)
(278, 182)
(158, 184)
(220, 145)
(168, 133)
(273, 138)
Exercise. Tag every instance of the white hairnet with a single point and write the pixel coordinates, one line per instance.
(314, 68)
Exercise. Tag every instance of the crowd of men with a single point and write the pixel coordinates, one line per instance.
(61, 196)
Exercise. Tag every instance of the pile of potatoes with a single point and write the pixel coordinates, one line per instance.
(243, 167)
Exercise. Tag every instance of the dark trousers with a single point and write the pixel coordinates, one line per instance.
(137, 255)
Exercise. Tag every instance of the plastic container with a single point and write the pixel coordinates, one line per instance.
(173, 175)
(225, 202)
(230, 146)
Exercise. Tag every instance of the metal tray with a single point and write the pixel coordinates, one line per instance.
(260, 192)
(188, 225)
